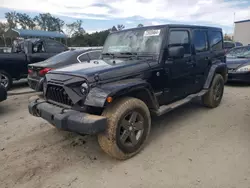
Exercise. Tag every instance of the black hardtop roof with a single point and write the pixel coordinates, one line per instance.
(193, 26)
(173, 26)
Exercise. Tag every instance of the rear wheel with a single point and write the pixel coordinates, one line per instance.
(213, 97)
(128, 128)
(6, 80)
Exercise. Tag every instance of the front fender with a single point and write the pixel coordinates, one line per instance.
(217, 67)
(98, 95)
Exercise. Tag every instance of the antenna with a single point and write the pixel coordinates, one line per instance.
(233, 27)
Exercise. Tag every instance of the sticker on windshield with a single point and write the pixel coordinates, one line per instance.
(149, 33)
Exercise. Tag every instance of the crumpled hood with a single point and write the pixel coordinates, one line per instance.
(234, 63)
(105, 69)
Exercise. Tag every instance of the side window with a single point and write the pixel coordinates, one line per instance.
(180, 38)
(215, 40)
(94, 55)
(200, 41)
(83, 58)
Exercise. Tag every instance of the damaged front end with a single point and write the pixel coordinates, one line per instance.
(64, 107)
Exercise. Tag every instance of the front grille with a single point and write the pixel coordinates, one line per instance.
(57, 94)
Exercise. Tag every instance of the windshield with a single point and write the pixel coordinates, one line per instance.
(146, 40)
(239, 52)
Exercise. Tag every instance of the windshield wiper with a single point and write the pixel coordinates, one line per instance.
(241, 56)
(128, 53)
(109, 54)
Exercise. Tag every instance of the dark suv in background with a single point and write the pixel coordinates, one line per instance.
(143, 72)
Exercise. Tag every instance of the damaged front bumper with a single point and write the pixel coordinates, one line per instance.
(67, 119)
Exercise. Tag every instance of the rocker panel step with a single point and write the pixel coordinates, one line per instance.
(167, 108)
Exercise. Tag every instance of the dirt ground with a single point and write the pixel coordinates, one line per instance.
(190, 147)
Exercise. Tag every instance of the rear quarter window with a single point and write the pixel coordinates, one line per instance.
(200, 41)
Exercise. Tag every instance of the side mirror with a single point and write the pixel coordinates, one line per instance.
(176, 52)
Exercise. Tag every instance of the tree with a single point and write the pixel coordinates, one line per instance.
(226, 37)
(58, 24)
(93, 39)
(120, 27)
(113, 29)
(47, 22)
(75, 28)
(140, 25)
(3, 28)
(25, 21)
(41, 21)
(11, 19)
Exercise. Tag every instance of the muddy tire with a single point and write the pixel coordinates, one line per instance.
(6, 80)
(213, 97)
(129, 124)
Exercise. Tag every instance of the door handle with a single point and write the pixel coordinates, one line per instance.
(207, 58)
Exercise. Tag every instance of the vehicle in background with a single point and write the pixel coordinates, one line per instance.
(230, 44)
(14, 65)
(37, 71)
(142, 72)
(238, 64)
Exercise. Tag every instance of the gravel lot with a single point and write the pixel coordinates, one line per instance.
(190, 147)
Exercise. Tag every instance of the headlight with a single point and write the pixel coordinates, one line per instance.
(84, 88)
(244, 69)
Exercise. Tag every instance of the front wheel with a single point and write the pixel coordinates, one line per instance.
(129, 124)
(213, 97)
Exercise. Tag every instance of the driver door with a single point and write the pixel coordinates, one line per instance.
(179, 70)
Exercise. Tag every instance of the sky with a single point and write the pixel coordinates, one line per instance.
(99, 15)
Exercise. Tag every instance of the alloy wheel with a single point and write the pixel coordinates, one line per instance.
(131, 129)
(217, 91)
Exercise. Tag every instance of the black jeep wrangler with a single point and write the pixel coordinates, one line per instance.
(142, 72)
